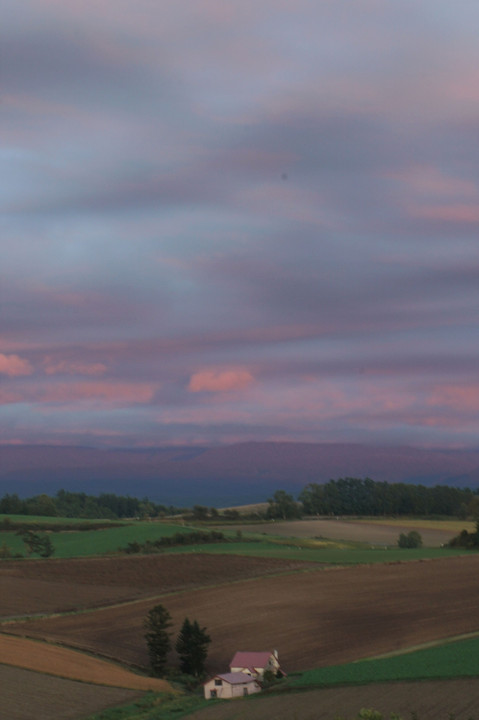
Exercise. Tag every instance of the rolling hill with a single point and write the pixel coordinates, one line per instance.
(245, 472)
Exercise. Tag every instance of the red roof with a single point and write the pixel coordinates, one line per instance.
(251, 660)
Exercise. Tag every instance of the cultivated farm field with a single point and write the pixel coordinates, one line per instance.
(315, 617)
(316, 614)
(32, 587)
(425, 700)
(377, 531)
(67, 663)
(53, 698)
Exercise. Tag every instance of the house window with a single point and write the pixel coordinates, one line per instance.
(218, 681)
(245, 691)
(213, 693)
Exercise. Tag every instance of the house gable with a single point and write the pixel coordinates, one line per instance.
(254, 663)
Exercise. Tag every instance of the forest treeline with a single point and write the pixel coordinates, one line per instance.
(353, 496)
(345, 496)
(80, 505)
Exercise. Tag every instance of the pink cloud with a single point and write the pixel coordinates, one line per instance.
(220, 380)
(72, 367)
(112, 394)
(14, 365)
(459, 213)
(456, 397)
(430, 180)
(116, 393)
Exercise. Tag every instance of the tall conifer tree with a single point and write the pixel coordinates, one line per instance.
(192, 647)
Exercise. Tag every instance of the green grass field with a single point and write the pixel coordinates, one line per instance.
(333, 555)
(155, 706)
(45, 519)
(75, 543)
(97, 542)
(449, 660)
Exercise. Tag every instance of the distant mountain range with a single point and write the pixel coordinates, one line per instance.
(226, 475)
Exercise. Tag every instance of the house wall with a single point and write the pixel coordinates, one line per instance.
(227, 691)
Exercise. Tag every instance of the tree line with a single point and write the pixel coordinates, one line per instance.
(344, 496)
(80, 505)
(353, 496)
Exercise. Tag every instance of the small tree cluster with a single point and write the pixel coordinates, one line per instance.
(412, 540)
(191, 644)
(38, 544)
(466, 539)
(283, 506)
(5, 551)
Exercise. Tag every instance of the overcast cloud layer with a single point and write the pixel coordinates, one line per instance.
(228, 220)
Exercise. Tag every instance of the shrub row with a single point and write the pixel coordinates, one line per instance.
(6, 525)
(189, 538)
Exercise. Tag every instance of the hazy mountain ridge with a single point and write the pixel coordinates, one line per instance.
(245, 472)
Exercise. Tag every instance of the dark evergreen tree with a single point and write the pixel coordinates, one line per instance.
(158, 639)
(192, 647)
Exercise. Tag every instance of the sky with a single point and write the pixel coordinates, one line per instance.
(236, 220)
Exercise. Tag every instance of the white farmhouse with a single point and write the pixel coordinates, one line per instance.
(231, 685)
(246, 673)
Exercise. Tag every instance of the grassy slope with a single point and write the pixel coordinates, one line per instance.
(448, 660)
(350, 555)
(22, 519)
(97, 542)
(108, 540)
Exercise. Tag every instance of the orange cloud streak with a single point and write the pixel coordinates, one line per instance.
(14, 365)
(115, 393)
(71, 367)
(220, 380)
(456, 397)
(449, 213)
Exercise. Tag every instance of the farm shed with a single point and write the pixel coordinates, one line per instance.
(230, 685)
(255, 664)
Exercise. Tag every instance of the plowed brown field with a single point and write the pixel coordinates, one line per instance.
(73, 665)
(374, 532)
(27, 695)
(46, 586)
(314, 618)
(443, 700)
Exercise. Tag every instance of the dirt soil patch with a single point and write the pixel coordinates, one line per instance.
(314, 618)
(438, 700)
(352, 530)
(47, 586)
(27, 695)
(73, 665)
